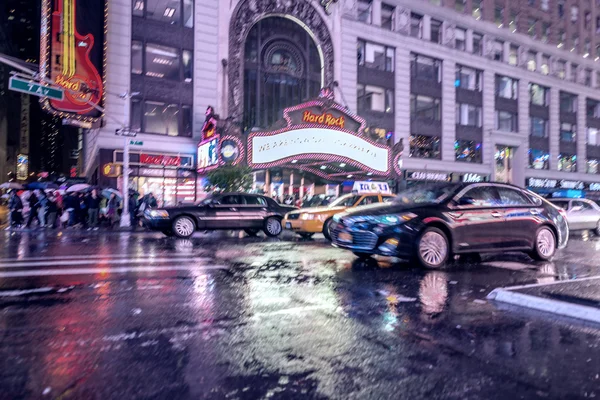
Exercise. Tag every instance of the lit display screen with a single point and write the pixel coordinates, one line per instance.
(208, 155)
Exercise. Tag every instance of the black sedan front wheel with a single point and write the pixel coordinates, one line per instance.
(433, 248)
(272, 226)
(184, 227)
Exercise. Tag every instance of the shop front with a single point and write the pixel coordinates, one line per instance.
(171, 178)
(564, 188)
(415, 177)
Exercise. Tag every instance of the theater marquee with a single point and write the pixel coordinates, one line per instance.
(320, 130)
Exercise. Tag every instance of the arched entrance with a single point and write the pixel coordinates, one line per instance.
(282, 68)
(246, 18)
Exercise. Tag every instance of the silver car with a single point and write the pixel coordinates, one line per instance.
(581, 213)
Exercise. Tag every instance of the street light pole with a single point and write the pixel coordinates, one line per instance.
(127, 134)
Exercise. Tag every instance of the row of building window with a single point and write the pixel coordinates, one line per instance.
(161, 118)
(161, 62)
(474, 44)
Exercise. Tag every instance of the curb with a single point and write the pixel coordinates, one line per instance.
(542, 304)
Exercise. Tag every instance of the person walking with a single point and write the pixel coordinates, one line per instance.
(133, 205)
(15, 207)
(52, 209)
(82, 210)
(33, 209)
(93, 208)
(70, 205)
(112, 207)
(42, 208)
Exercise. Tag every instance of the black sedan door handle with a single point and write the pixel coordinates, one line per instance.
(496, 214)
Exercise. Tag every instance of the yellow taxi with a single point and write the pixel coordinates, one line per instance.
(308, 221)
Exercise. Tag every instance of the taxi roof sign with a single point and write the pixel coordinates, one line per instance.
(371, 187)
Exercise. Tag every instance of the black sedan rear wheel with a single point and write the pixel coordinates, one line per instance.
(272, 226)
(433, 248)
(544, 247)
(184, 227)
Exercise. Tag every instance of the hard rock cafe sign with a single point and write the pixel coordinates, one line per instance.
(72, 55)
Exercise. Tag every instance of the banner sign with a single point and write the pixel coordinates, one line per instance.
(24, 126)
(72, 55)
(428, 176)
(170, 161)
(22, 167)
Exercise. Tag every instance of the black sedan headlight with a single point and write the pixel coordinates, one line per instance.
(156, 214)
(381, 220)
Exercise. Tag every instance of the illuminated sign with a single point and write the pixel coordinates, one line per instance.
(170, 161)
(371, 187)
(323, 119)
(571, 184)
(594, 187)
(229, 150)
(428, 176)
(473, 178)
(541, 183)
(111, 170)
(72, 55)
(22, 167)
(208, 154)
(328, 143)
(209, 128)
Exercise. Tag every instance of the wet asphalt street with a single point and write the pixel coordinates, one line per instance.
(88, 315)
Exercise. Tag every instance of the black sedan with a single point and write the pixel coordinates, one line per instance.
(431, 223)
(249, 212)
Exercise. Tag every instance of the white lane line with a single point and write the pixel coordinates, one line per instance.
(13, 293)
(69, 257)
(149, 260)
(118, 270)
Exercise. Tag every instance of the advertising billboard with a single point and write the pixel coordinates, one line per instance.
(208, 154)
(72, 55)
(22, 167)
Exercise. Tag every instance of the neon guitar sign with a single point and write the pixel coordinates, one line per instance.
(70, 64)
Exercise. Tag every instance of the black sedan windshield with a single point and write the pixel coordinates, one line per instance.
(425, 194)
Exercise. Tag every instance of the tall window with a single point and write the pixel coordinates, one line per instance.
(513, 55)
(468, 115)
(459, 5)
(467, 151)
(545, 67)
(468, 78)
(538, 94)
(593, 108)
(424, 107)
(567, 132)
(561, 69)
(161, 61)
(375, 98)
(574, 13)
(531, 61)
(539, 159)
(282, 68)
(592, 137)
(477, 43)
(499, 15)
(567, 162)
(161, 118)
(460, 39)
(545, 5)
(174, 12)
(539, 127)
(388, 19)
(532, 29)
(365, 11)
(436, 31)
(507, 121)
(425, 146)
(592, 166)
(416, 25)
(507, 87)
(425, 68)
(568, 102)
(477, 9)
(498, 50)
(375, 56)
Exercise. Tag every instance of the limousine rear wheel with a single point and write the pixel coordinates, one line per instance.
(545, 244)
(184, 227)
(272, 226)
(433, 248)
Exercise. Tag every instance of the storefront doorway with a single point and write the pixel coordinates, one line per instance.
(503, 158)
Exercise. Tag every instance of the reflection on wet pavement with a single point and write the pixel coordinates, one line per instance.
(224, 316)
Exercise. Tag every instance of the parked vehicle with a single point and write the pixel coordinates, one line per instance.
(581, 213)
(249, 212)
(431, 223)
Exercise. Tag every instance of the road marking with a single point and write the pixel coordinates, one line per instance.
(88, 256)
(13, 293)
(118, 270)
(149, 260)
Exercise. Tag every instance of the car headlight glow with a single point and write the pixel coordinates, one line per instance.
(159, 214)
(387, 219)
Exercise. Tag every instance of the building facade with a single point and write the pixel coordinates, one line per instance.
(474, 89)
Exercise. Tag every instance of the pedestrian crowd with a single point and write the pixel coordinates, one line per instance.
(51, 210)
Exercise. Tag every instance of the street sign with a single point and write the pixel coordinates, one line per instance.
(136, 143)
(125, 132)
(36, 89)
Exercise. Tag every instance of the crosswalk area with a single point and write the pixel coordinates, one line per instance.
(105, 264)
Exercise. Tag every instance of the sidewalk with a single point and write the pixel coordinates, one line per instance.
(577, 298)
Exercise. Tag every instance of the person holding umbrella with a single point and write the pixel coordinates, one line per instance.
(112, 207)
(93, 206)
(15, 206)
(33, 209)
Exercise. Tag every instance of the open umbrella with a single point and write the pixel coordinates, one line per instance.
(108, 192)
(11, 185)
(80, 187)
